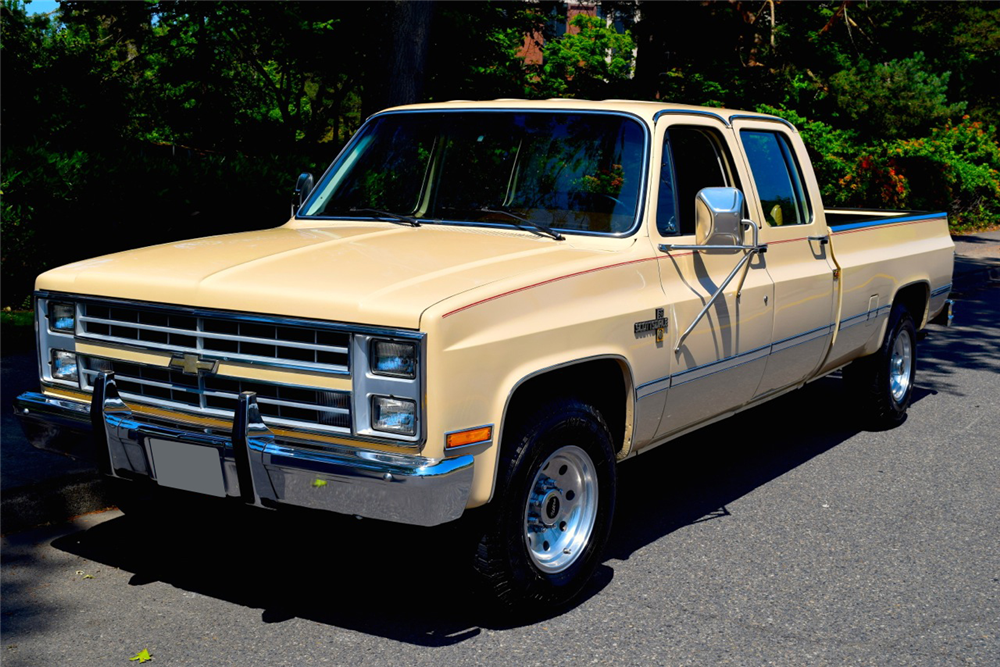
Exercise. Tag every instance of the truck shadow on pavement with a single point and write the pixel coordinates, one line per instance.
(411, 584)
(694, 478)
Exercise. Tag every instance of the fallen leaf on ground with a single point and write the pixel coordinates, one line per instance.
(142, 656)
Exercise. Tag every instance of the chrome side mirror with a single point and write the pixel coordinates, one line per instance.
(303, 186)
(719, 217)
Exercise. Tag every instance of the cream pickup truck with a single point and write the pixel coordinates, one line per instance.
(488, 304)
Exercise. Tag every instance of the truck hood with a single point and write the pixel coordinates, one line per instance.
(355, 272)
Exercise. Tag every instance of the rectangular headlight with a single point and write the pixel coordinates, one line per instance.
(64, 366)
(62, 317)
(394, 415)
(394, 359)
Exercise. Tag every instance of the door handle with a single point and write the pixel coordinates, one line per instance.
(823, 240)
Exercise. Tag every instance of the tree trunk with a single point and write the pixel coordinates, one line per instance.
(399, 77)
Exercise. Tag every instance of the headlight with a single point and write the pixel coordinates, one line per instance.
(394, 415)
(64, 366)
(394, 359)
(62, 317)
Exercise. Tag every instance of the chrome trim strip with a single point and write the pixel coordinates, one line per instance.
(719, 366)
(205, 410)
(885, 221)
(713, 368)
(652, 387)
(941, 290)
(305, 428)
(228, 394)
(207, 334)
(233, 357)
(864, 318)
(751, 116)
(729, 363)
(795, 341)
(689, 112)
(643, 186)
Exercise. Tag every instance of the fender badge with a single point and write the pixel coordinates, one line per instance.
(659, 325)
(191, 364)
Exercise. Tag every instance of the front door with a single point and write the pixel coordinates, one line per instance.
(719, 364)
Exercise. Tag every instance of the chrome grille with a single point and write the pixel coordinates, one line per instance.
(242, 339)
(213, 395)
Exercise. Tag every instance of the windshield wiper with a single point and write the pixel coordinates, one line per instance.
(393, 217)
(535, 226)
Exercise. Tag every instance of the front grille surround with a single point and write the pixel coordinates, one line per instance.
(136, 340)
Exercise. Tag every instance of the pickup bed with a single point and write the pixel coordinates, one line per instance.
(488, 304)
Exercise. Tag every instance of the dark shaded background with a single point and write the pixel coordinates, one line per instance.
(132, 123)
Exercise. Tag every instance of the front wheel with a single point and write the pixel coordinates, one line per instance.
(552, 512)
(883, 382)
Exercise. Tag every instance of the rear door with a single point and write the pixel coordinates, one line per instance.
(798, 251)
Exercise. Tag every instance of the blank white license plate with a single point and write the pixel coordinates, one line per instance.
(180, 465)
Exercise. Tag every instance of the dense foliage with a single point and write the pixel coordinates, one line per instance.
(129, 123)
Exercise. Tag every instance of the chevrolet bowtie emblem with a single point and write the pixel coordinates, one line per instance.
(191, 364)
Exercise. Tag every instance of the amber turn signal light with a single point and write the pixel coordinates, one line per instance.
(469, 437)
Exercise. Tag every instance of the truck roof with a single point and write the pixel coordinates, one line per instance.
(647, 110)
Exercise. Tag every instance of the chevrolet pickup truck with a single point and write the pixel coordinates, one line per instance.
(488, 305)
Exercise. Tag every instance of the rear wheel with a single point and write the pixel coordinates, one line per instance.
(552, 512)
(882, 384)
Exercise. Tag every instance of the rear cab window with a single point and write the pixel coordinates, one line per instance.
(778, 178)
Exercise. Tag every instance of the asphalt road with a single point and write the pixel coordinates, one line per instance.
(786, 535)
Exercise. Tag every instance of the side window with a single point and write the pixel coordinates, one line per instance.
(693, 158)
(778, 177)
(666, 202)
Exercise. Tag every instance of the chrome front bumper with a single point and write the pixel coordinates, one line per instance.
(250, 462)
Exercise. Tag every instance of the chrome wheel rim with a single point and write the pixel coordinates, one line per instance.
(900, 366)
(561, 508)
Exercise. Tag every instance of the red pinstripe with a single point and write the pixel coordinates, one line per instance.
(553, 280)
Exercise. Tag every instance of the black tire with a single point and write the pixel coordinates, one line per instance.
(551, 513)
(882, 383)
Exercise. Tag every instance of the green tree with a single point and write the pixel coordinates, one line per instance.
(592, 63)
(899, 98)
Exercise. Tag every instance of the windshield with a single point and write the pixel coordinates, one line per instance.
(569, 171)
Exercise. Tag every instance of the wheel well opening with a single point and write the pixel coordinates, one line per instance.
(914, 298)
(600, 383)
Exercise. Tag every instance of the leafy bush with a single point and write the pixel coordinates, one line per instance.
(958, 161)
(899, 98)
(955, 168)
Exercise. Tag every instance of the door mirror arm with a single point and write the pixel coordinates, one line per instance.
(718, 210)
